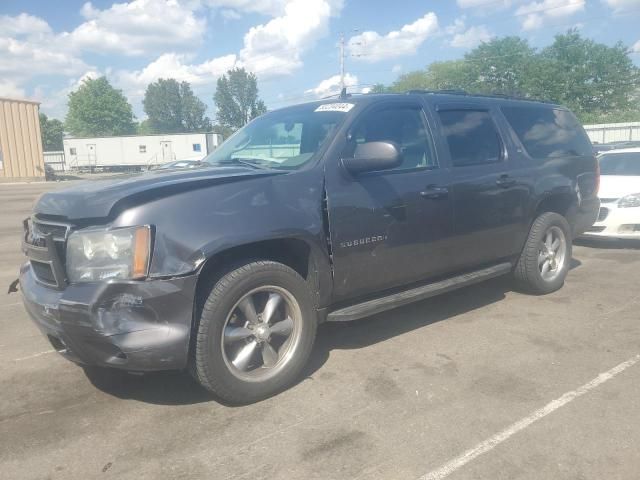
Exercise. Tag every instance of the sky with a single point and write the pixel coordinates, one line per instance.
(48, 47)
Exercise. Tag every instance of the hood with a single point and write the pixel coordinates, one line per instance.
(617, 186)
(108, 197)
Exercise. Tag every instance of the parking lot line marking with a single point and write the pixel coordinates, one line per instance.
(33, 356)
(492, 442)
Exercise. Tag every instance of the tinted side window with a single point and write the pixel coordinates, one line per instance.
(472, 137)
(402, 125)
(546, 132)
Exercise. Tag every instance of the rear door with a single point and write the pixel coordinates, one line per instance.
(391, 227)
(489, 202)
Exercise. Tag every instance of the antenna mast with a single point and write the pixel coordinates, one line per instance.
(342, 85)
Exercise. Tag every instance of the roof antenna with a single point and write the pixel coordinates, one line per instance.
(343, 93)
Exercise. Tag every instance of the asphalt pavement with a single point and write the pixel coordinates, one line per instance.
(481, 383)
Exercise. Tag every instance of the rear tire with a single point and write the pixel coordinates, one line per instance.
(255, 334)
(546, 257)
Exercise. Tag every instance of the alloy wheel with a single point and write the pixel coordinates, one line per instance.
(552, 254)
(261, 333)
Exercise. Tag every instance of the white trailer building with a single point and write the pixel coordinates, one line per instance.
(136, 151)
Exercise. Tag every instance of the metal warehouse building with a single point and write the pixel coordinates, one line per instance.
(20, 141)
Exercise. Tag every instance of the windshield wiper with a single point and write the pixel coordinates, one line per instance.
(243, 161)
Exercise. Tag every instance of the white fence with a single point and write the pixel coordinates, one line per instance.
(55, 160)
(613, 132)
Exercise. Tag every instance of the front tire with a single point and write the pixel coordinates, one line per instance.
(255, 334)
(546, 257)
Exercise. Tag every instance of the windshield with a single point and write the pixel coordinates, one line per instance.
(284, 139)
(627, 163)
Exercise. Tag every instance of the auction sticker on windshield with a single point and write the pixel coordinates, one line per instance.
(335, 107)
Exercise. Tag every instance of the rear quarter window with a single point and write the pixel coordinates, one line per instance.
(548, 132)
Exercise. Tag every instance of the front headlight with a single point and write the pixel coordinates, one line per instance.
(122, 253)
(629, 201)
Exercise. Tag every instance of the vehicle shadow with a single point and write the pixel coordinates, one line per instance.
(384, 326)
(178, 388)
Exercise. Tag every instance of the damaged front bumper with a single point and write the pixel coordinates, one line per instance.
(131, 325)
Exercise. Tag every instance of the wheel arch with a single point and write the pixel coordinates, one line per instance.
(302, 255)
(563, 203)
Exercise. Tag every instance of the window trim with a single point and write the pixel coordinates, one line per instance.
(476, 108)
(413, 105)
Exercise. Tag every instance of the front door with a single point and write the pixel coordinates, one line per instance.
(92, 159)
(489, 200)
(166, 151)
(389, 228)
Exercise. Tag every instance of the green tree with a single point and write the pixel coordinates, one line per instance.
(143, 128)
(502, 66)
(450, 75)
(598, 82)
(172, 107)
(379, 88)
(52, 133)
(415, 80)
(593, 79)
(236, 98)
(98, 109)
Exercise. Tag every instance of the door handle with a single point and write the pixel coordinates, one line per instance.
(505, 181)
(434, 192)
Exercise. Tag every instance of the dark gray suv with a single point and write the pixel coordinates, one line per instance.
(333, 210)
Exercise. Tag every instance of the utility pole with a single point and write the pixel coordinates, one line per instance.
(342, 85)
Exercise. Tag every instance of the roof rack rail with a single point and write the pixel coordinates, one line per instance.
(451, 91)
(483, 95)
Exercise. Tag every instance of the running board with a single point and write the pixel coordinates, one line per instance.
(378, 305)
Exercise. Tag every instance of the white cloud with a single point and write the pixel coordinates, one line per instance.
(23, 25)
(371, 46)
(137, 28)
(471, 37)
(172, 65)
(636, 47)
(230, 14)
(275, 48)
(457, 26)
(167, 30)
(620, 6)
(272, 8)
(20, 60)
(331, 86)
(396, 68)
(536, 14)
(483, 3)
(11, 90)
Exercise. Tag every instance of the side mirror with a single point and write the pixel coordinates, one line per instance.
(372, 156)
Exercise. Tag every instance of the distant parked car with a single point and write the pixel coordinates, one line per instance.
(179, 164)
(619, 215)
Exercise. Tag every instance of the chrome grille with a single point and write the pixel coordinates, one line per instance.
(45, 243)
